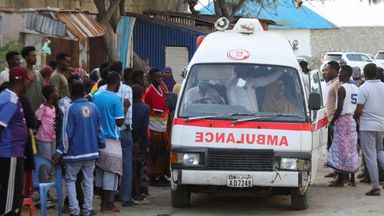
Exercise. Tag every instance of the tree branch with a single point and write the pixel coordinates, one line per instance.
(122, 7)
(100, 5)
(223, 8)
(236, 7)
(192, 4)
(112, 8)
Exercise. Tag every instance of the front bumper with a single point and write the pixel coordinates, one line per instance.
(219, 178)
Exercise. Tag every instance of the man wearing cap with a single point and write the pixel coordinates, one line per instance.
(13, 138)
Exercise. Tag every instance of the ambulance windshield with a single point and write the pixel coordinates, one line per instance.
(245, 89)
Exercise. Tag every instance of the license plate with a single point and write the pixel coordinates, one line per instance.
(239, 181)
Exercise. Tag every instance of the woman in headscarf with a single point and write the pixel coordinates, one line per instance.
(275, 99)
(46, 72)
(168, 79)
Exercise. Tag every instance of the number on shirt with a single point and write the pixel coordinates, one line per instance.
(354, 98)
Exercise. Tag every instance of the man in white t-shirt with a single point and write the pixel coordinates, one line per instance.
(370, 112)
(343, 155)
(13, 60)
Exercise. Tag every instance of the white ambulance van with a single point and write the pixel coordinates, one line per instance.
(244, 120)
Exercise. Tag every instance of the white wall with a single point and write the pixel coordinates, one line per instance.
(303, 36)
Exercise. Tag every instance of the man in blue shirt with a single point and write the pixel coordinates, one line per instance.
(82, 138)
(125, 93)
(110, 163)
(13, 138)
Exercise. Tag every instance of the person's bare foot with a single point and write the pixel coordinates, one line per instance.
(331, 175)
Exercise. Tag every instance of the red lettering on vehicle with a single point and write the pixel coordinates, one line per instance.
(251, 138)
(272, 140)
(260, 139)
(230, 138)
(220, 137)
(283, 141)
(210, 135)
(241, 140)
(199, 137)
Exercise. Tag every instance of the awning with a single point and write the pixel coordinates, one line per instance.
(72, 25)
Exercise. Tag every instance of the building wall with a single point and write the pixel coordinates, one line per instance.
(354, 39)
(302, 36)
(11, 32)
(151, 39)
(135, 6)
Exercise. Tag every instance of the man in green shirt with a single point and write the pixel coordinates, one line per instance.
(35, 85)
(58, 79)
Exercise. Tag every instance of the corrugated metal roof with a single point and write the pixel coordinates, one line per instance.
(284, 13)
(45, 25)
(81, 25)
(75, 25)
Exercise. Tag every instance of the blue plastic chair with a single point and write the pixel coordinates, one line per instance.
(43, 188)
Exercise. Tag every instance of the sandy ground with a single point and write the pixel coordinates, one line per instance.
(323, 200)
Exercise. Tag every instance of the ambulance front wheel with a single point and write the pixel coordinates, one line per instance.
(299, 201)
(180, 197)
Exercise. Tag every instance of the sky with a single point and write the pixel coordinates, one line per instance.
(345, 12)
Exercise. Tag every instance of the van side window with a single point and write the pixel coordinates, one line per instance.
(315, 84)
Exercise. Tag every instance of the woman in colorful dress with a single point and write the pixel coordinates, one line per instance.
(155, 97)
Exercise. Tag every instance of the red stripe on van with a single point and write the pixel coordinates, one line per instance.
(247, 125)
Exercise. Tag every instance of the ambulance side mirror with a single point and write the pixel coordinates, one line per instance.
(171, 101)
(314, 102)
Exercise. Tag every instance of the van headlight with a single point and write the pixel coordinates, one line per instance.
(186, 159)
(191, 159)
(288, 164)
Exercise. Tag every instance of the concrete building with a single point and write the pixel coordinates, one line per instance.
(70, 31)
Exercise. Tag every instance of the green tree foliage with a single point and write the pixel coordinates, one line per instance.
(10, 46)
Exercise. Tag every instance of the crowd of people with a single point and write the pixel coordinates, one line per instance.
(109, 131)
(355, 113)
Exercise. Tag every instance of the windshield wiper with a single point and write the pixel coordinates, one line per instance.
(219, 116)
(264, 117)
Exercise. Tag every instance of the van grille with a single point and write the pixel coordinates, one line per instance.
(244, 160)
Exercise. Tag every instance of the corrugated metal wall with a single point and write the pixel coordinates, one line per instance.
(150, 40)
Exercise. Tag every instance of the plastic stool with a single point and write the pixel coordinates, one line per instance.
(28, 202)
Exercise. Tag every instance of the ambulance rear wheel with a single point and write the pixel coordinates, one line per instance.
(181, 197)
(299, 201)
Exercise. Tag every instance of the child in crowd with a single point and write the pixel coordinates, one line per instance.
(140, 113)
(46, 116)
(46, 135)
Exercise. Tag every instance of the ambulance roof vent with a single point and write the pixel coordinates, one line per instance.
(248, 26)
(222, 24)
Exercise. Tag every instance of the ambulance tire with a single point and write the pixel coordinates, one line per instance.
(299, 201)
(181, 197)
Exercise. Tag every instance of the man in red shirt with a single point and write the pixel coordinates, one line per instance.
(155, 97)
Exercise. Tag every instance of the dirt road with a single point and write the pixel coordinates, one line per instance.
(323, 200)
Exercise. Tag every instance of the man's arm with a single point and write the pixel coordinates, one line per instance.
(119, 112)
(358, 111)
(1, 129)
(67, 132)
(361, 100)
(100, 135)
(6, 113)
(340, 103)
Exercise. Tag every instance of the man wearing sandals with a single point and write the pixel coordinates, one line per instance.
(370, 112)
